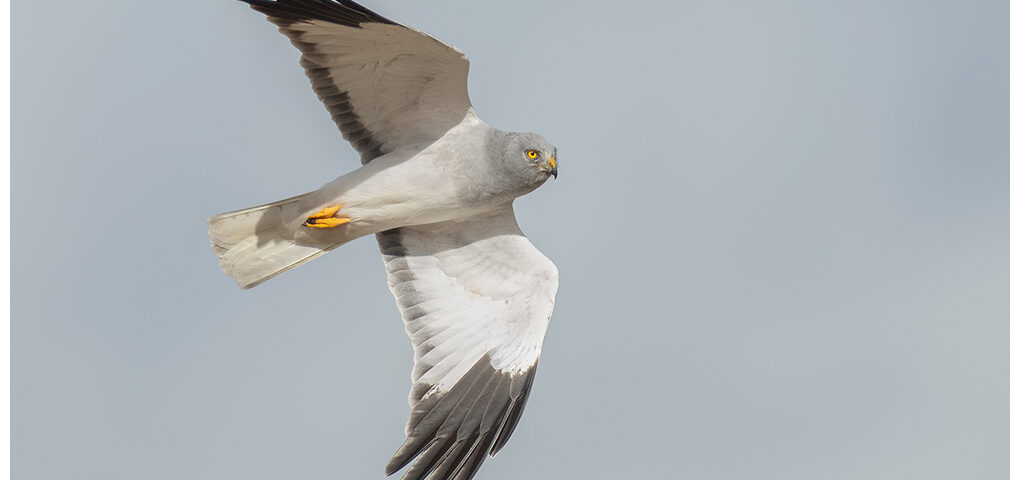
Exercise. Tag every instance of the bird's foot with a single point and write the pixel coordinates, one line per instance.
(324, 218)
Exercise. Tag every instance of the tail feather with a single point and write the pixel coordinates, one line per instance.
(256, 244)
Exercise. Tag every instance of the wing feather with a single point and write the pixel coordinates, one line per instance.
(476, 298)
(385, 85)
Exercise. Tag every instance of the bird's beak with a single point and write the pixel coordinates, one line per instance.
(552, 166)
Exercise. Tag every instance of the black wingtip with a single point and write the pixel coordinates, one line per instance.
(521, 389)
(450, 432)
(341, 12)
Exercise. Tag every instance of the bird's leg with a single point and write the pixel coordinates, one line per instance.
(324, 218)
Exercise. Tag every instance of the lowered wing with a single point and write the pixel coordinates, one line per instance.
(476, 298)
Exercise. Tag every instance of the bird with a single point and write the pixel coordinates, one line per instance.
(436, 188)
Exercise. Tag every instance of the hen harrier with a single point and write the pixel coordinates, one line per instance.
(436, 187)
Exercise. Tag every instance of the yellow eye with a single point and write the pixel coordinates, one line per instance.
(532, 154)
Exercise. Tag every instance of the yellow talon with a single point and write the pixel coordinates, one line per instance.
(326, 212)
(324, 218)
(326, 222)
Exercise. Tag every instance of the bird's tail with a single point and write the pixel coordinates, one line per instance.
(259, 243)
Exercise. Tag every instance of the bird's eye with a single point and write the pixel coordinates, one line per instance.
(532, 154)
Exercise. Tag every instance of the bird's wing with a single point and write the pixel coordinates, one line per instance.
(386, 85)
(476, 298)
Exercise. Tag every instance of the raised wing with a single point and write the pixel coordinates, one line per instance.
(386, 85)
(476, 297)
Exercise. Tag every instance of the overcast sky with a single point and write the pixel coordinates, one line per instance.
(781, 229)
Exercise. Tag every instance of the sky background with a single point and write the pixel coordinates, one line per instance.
(781, 229)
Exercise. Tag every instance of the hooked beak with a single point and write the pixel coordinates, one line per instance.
(552, 166)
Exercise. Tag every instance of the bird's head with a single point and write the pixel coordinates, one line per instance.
(524, 161)
(532, 155)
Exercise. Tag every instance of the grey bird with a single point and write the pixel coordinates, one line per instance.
(436, 187)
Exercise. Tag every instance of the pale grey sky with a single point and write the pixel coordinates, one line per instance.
(781, 228)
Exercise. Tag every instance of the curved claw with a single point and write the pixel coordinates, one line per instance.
(325, 222)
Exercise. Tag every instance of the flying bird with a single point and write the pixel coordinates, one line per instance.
(436, 187)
